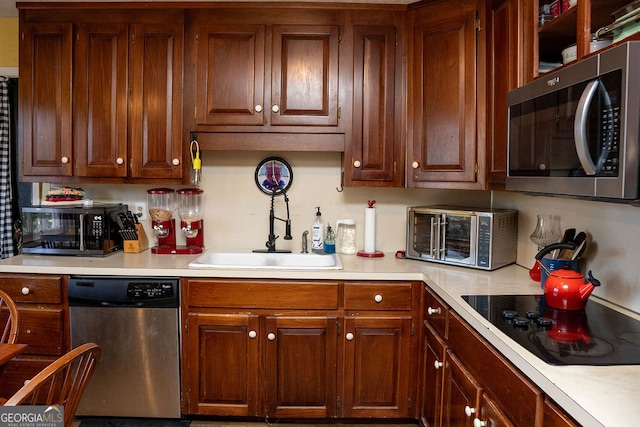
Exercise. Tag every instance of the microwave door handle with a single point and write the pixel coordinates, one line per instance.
(431, 238)
(580, 128)
(81, 232)
(442, 253)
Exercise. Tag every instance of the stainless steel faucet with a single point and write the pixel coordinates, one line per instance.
(304, 242)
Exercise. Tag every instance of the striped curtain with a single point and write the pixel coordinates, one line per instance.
(6, 221)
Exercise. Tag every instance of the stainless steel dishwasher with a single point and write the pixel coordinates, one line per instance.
(135, 322)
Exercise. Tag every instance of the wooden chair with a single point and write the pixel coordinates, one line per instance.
(9, 331)
(61, 383)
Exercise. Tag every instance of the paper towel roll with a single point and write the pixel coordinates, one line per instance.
(370, 230)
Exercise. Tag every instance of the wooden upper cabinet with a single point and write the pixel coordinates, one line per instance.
(100, 100)
(155, 117)
(446, 95)
(230, 74)
(45, 100)
(374, 157)
(256, 75)
(101, 95)
(504, 73)
(304, 75)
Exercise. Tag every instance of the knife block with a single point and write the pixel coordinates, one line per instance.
(136, 246)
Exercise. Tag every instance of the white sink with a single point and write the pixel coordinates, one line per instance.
(283, 261)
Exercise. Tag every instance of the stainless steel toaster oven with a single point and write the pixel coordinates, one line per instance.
(469, 237)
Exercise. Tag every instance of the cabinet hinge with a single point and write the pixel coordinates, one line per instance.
(339, 112)
(186, 324)
(22, 36)
(133, 38)
(395, 167)
(396, 39)
(413, 328)
(195, 112)
(478, 25)
(339, 327)
(338, 402)
(341, 39)
(409, 406)
(197, 37)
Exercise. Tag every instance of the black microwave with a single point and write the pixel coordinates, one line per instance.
(72, 230)
(575, 131)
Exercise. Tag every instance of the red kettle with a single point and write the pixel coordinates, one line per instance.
(566, 289)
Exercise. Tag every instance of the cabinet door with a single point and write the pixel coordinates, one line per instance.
(491, 415)
(156, 100)
(230, 74)
(554, 416)
(100, 100)
(300, 366)
(377, 367)
(304, 75)
(222, 364)
(45, 100)
(375, 153)
(503, 74)
(461, 394)
(444, 152)
(433, 381)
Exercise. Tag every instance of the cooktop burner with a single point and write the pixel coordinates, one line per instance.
(597, 335)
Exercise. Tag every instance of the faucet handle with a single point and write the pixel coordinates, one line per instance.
(304, 242)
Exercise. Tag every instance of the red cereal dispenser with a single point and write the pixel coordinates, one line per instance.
(190, 212)
(161, 205)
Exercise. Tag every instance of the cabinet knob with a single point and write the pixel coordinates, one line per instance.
(415, 165)
(175, 162)
(477, 422)
(271, 336)
(378, 298)
(275, 108)
(119, 160)
(468, 410)
(25, 291)
(64, 160)
(349, 336)
(431, 311)
(357, 164)
(258, 108)
(437, 364)
(252, 334)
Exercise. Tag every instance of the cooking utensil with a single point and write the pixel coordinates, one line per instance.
(567, 237)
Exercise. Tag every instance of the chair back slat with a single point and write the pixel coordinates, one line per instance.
(8, 319)
(62, 382)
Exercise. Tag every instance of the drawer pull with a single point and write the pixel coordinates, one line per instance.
(378, 298)
(271, 336)
(25, 291)
(431, 311)
(258, 108)
(468, 410)
(437, 364)
(349, 336)
(477, 422)
(252, 334)
(275, 108)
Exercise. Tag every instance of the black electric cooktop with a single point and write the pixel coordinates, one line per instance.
(597, 335)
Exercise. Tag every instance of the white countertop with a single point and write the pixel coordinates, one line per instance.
(593, 395)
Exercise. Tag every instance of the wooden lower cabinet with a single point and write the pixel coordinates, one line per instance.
(43, 313)
(285, 349)
(466, 382)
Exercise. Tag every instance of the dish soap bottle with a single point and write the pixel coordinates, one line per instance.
(317, 235)
(329, 242)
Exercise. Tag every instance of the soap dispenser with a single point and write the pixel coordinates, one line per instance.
(330, 242)
(317, 235)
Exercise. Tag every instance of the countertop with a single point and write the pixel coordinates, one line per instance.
(593, 395)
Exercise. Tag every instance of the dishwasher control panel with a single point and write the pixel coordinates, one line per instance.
(150, 290)
(123, 291)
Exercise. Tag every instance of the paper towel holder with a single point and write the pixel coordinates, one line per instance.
(370, 234)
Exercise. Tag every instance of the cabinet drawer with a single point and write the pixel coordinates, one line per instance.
(520, 399)
(42, 330)
(379, 296)
(266, 294)
(20, 369)
(33, 288)
(436, 313)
